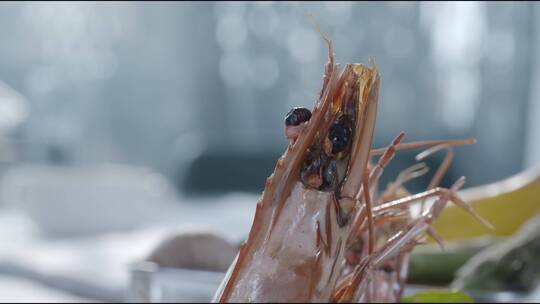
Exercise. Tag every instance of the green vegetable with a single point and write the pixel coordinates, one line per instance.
(438, 296)
(436, 267)
(429, 265)
(512, 265)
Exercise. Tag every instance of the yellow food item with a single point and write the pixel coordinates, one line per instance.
(506, 204)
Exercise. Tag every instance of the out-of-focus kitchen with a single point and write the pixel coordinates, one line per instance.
(136, 137)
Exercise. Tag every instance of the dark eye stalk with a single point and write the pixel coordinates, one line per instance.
(340, 135)
(295, 122)
(297, 116)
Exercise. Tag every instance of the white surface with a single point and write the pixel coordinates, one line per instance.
(93, 262)
(17, 290)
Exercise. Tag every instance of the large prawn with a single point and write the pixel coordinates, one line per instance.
(321, 231)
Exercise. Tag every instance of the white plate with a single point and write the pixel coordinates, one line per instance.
(151, 284)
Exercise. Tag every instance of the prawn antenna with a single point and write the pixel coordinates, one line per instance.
(318, 29)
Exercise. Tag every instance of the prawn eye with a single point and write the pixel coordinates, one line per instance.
(339, 135)
(297, 116)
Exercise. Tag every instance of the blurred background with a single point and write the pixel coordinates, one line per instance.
(122, 122)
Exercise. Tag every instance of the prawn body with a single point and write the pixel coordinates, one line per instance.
(321, 231)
